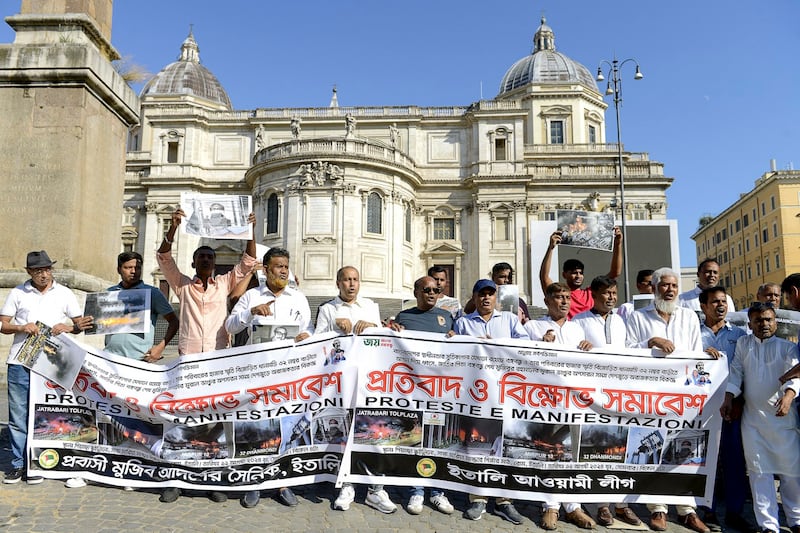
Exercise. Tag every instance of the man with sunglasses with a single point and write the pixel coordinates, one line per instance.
(40, 299)
(426, 317)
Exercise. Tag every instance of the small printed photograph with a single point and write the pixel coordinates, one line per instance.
(124, 432)
(64, 423)
(697, 375)
(261, 333)
(508, 298)
(295, 431)
(644, 446)
(602, 443)
(262, 437)
(330, 426)
(463, 434)
(195, 443)
(59, 360)
(685, 447)
(218, 216)
(586, 229)
(335, 354)
(388, 427)
(126, 311)
(540, 442)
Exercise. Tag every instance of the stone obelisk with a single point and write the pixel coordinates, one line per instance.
(65, 117)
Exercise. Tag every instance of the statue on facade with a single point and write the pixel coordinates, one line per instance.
(261, 140)
(394, 136)
(350, 125)
(295, 127)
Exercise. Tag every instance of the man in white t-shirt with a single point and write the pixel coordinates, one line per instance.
(40, 299)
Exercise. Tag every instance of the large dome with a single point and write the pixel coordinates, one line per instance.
(188, 76)
(545, 65)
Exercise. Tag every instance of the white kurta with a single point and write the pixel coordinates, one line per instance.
(771, 443)
(570, 334)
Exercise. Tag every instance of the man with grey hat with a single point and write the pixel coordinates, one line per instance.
(40, 299)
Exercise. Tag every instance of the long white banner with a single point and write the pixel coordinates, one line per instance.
(509, 418)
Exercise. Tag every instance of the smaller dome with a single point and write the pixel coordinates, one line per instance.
(545, 65)
(188, 76)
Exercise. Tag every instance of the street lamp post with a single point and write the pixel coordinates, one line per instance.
(614, 87)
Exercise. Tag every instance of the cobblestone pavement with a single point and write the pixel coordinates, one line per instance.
(51, 506)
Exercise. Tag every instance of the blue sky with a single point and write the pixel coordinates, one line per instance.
(717, 103)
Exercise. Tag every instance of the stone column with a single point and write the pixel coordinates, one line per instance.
(67, 113)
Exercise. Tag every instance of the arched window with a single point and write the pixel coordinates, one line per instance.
(408, 223)
(272, 214)
(374, 213)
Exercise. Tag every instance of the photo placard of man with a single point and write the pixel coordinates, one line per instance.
(141, 345)
(573, 273)
(348, 313)
(769, 420)
(40, 299)
(203, 297)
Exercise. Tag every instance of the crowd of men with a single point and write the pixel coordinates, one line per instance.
(759, 438)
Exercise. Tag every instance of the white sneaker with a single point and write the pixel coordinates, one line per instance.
(442, 504)
(380, 500)
(346, 496)
(415, 504)
(75, 483)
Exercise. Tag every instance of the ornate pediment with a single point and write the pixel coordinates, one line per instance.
(449, 248)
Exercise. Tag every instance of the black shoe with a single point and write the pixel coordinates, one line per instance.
(711, 520)
(738, 522)
(287, 497)
(13, 476)
(250, 499)
(169, 495)
(217, 496)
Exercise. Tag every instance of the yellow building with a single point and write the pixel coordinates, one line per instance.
(757, 239)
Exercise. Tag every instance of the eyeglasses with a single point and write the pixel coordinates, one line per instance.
(758, 306)
(41, 270)
(434, 290)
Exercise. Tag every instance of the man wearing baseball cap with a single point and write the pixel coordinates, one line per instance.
(40, 299)
(489, 323)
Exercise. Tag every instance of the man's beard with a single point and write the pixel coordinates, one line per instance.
(278, 282)
(664, 306)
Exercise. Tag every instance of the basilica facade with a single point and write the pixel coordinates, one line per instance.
(390, 190)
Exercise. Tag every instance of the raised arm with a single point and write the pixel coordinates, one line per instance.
(251, 244)
(616, 255)
(544, 270)
(169, 238)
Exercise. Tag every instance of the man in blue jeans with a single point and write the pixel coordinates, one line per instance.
(40, 299)
(426, 317)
